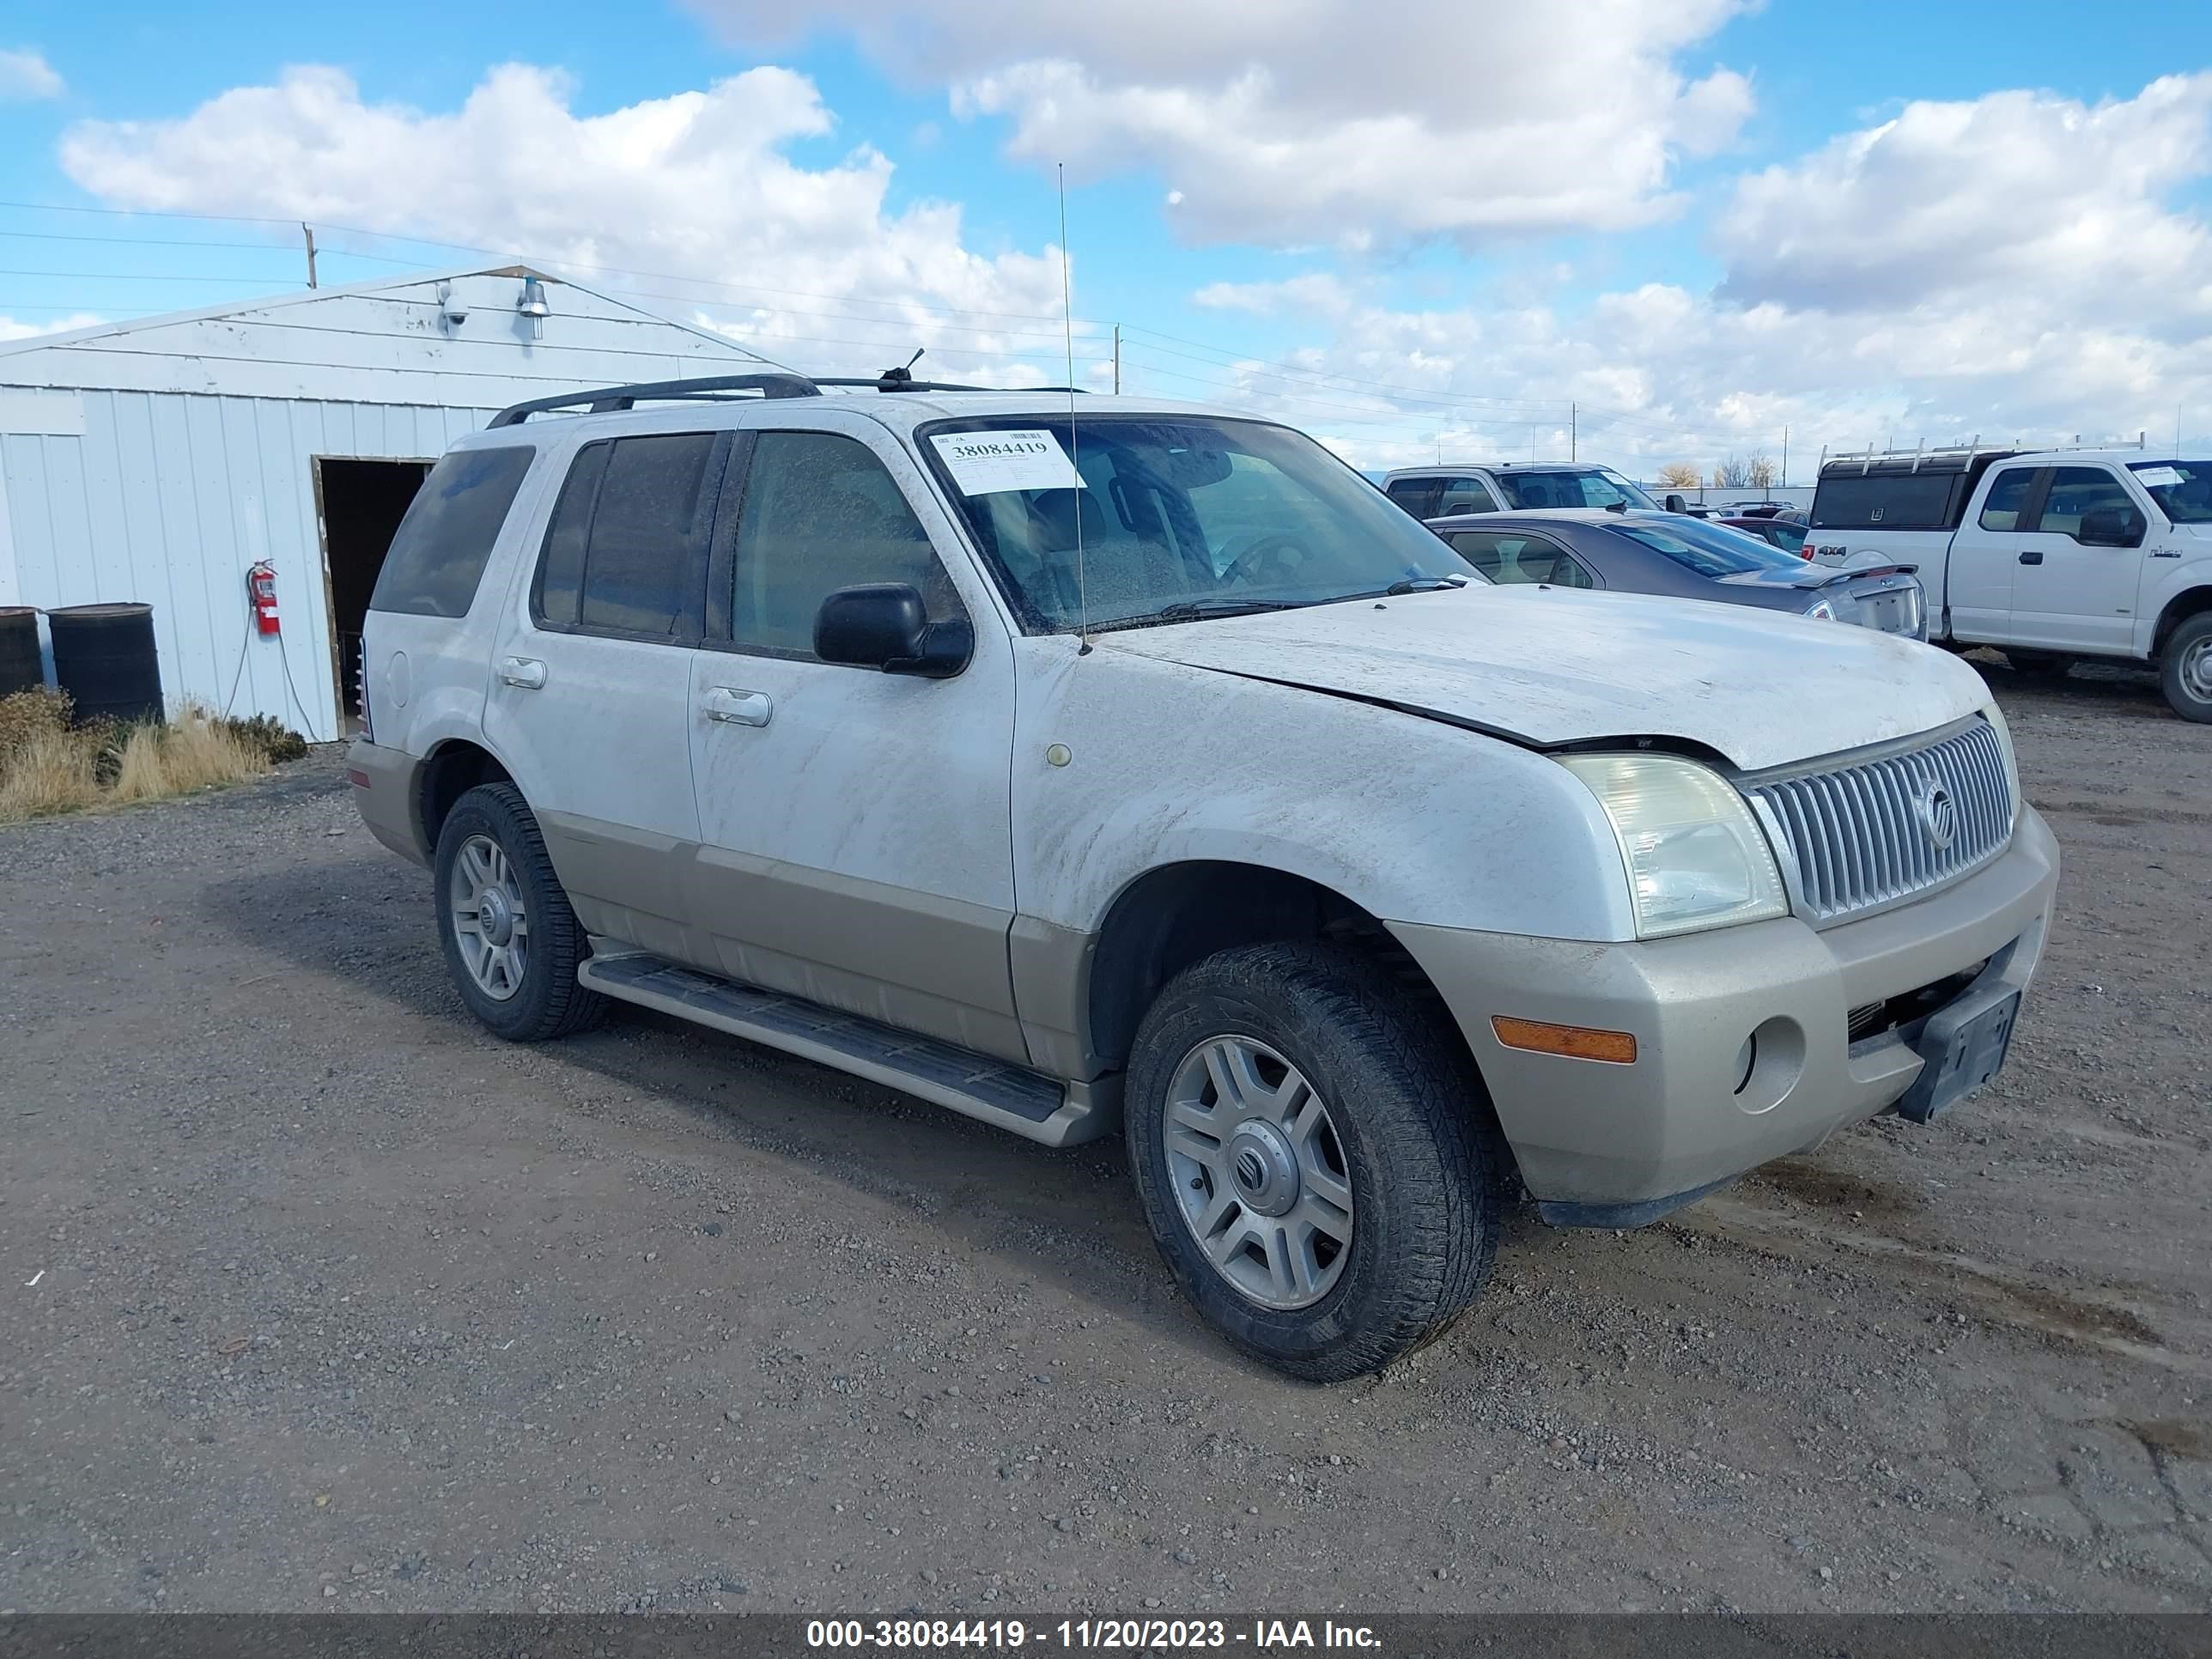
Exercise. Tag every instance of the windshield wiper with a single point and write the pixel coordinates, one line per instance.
(1420, 585)
(1198, 610)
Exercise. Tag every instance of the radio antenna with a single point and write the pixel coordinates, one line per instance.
(1074, 443)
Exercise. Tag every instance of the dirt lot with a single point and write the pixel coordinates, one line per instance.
(318, 1297)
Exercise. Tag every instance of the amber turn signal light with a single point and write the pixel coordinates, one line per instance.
(1575, 1042)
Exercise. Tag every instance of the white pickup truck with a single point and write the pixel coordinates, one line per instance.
(1100, 765)
(2051, 556)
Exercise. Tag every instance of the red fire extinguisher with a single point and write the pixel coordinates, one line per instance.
(261, 588)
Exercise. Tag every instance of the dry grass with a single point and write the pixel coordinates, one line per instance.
(48, 766)
(191, 753)
(49, 772)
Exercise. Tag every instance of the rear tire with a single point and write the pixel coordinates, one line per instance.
(1388, 1165)
(512, 942)
(2185, 670)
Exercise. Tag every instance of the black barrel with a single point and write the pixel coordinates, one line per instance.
(104, 657)
(20, 668)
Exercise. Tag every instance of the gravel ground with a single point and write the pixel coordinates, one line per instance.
(318, 1297)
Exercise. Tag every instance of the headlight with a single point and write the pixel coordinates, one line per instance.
(1695, 856)
(1995, 716)
(1820, 610)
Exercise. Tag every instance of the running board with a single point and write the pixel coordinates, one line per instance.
(1010, 1097)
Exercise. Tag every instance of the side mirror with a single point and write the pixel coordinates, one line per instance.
(2112, 527)
(1676, 504)
(885, 625)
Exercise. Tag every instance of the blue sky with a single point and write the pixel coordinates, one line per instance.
(1456, 277)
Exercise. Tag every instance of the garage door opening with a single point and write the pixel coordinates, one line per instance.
(362, 502)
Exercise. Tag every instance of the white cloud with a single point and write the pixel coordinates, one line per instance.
(1316, 291)
(2015, 190)
(694, 186)
(13, 329)
(1284, 122)
(24, 73)
(2007, 268)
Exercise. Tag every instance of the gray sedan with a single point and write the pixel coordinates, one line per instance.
(1642, 552)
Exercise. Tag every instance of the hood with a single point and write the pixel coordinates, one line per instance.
(1548, 668)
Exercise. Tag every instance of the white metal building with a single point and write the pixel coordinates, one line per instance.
(157, 460)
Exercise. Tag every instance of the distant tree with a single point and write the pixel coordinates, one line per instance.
(1760, 472)
(1680, 475)
(1732, 474)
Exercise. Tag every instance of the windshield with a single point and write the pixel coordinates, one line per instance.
(1711, 550)
(1208, 516)
(1790, 538)
(1587, 486)
(2183, 489)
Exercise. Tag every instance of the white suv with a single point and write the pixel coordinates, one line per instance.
(1097, 764)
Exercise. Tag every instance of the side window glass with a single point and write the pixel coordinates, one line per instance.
(2008, 499)
(822, 512)
(1479, 549)
(649, 535)
(1419, 496)
(561, 568)
(1465, 495)
(1520, 559)
(2076, 492)
(1567, 572)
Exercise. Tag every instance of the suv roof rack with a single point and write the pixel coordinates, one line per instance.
(713, 388)
(720, 388)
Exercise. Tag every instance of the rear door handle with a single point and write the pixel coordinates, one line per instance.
(524, 673)
(735, 707)
(2034, 557)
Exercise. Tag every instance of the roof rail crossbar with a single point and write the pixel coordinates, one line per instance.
(626, 397)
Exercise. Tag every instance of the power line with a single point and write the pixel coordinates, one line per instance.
(509, 253)
(1424, 400)
(133, 276)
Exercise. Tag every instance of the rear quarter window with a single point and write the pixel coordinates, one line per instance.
(438, 554)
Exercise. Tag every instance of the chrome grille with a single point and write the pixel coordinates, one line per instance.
(1868, 834)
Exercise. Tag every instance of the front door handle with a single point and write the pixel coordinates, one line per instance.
(2034, 555)
(524, 673)
(735, 707)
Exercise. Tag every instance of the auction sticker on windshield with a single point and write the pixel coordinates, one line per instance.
(984, 463)
(2154, 477)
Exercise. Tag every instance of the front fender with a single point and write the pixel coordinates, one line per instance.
(1412, 819)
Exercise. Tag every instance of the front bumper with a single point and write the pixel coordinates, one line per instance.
(1609, 1144)
(387, 787)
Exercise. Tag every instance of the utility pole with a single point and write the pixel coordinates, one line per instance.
(1574, 426)
(310, 236)
(1786, 458)
(1117, 359)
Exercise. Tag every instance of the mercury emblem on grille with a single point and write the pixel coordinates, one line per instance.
(1937, 811)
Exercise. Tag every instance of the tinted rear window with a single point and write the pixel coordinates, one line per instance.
(626, 548)
(439, 552)
(1711, 550)
(1909, 501)
(649, 535)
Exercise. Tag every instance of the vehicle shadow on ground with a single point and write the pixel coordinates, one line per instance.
(1070, 1216)
(2113, 687)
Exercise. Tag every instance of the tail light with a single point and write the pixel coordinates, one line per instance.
(367, 732)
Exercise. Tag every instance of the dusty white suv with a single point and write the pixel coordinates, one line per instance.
(1112, 764)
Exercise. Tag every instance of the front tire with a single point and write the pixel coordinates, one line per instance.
(512, 942)
(1314, 1155)
(2185, 669)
